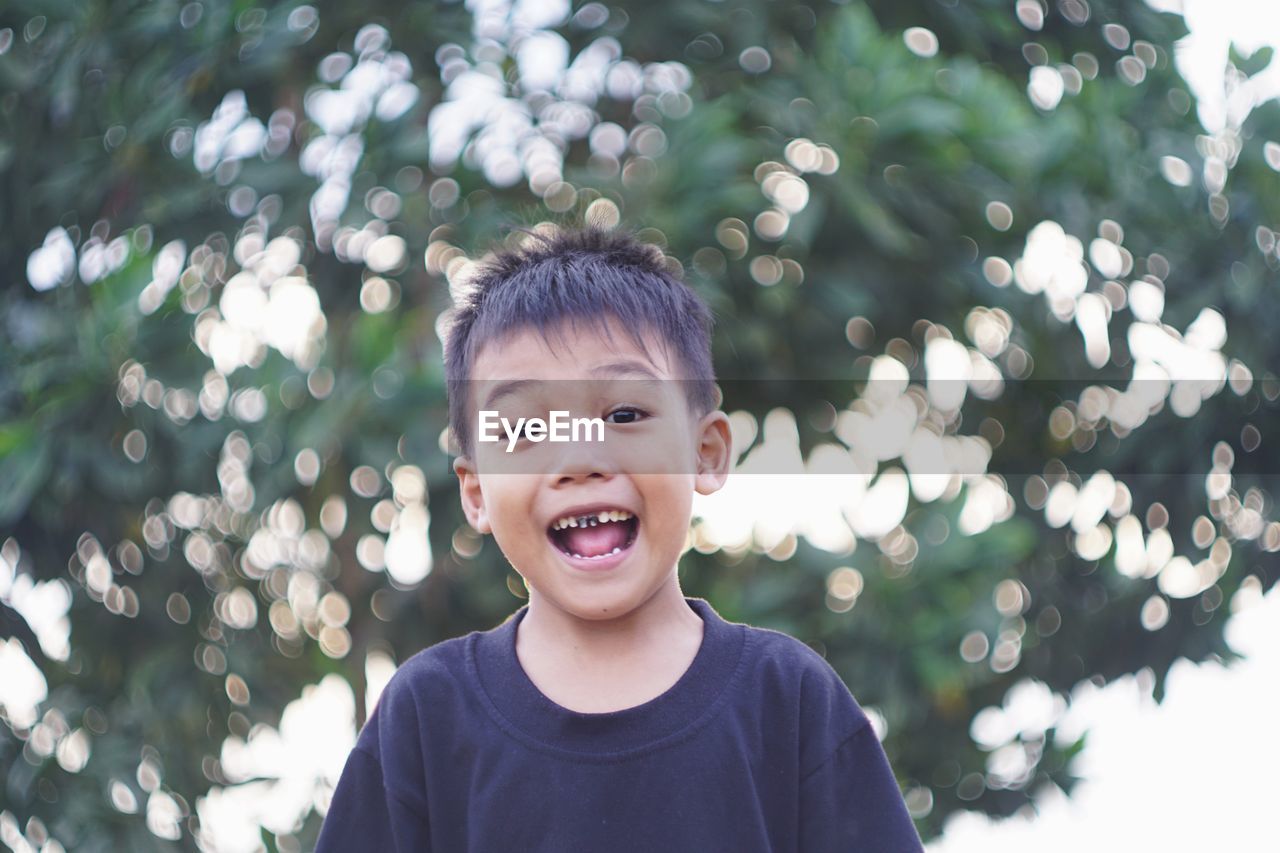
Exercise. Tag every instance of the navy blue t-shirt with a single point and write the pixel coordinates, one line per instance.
(759, 746)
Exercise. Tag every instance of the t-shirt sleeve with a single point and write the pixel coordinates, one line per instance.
(364, 815)
(849, 799)
(380, 800)
(851, 802)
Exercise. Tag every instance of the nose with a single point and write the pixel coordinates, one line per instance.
(581, 462)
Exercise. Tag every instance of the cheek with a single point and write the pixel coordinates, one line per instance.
(661, 452)
(508, 503)
(518, 541)
(669, 499)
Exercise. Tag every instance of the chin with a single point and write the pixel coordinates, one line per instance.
(590, 605)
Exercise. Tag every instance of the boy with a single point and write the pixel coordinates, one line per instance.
(610, 713)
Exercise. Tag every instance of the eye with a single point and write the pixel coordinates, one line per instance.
(626, 415)
(522, 437)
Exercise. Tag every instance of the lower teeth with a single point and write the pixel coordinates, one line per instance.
(597, 556)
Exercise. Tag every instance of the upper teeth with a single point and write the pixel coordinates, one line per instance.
(590, 520)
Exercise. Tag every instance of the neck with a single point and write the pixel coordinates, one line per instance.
(651, 625)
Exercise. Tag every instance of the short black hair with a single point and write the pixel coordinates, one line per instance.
(577, 273)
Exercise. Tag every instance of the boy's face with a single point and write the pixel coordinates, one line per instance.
(537, 497)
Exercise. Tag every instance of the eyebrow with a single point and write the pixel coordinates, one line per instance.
(625, 367)
(505, 389)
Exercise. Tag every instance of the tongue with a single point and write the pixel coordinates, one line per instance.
(595, 541)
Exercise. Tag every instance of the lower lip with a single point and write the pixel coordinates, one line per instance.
(595, 564)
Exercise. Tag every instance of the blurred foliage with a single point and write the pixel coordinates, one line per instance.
(102, 106)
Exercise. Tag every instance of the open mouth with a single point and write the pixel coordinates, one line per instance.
(594, 535)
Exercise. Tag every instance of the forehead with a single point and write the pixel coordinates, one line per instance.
(572, 351)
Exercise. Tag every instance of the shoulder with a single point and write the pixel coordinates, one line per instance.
(776, 646)
(443, 661)
(800, 666)
(424, 701)
(788, 671)
(428, 682)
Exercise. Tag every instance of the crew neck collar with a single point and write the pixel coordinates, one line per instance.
(528, 715)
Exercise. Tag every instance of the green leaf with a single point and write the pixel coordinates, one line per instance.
(23, 470)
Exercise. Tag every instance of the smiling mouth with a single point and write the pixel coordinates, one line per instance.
(594, 535)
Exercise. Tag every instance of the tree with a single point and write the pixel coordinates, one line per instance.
(231, 233)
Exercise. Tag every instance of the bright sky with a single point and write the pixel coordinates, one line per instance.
(1193, 773)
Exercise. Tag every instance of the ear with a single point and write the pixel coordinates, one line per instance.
(471, 494)
(714, 452)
